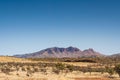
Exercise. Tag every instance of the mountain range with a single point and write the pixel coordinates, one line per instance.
(56, 52)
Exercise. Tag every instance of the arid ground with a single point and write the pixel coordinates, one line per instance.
(25, 69)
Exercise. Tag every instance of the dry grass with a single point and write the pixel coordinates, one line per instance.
(36, 79)
(80, 63)
(95, 79)
(91, 79)
(12, 59)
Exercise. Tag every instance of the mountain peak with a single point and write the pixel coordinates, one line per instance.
(72, 49)
(89, 50)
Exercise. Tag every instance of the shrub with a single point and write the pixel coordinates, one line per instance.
(5, 70)
(117, 69)
(60, 66)
(70, 68)
(110, 71)
(56, 71)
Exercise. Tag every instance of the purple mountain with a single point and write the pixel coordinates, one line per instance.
(56, 52)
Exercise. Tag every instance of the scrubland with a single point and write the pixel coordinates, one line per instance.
(58, 69)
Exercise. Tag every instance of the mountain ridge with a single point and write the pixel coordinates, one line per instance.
(57, 52)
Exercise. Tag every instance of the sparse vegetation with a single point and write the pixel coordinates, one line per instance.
(100, 65)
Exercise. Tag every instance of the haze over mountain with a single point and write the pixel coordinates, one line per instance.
(56, 52)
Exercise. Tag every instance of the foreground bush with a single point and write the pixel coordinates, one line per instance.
(117, 69)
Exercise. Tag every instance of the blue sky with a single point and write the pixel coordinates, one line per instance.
(31, 25)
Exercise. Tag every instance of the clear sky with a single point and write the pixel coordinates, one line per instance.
(31, 25)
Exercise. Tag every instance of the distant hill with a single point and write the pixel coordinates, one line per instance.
(115, 55)
(56, 52)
